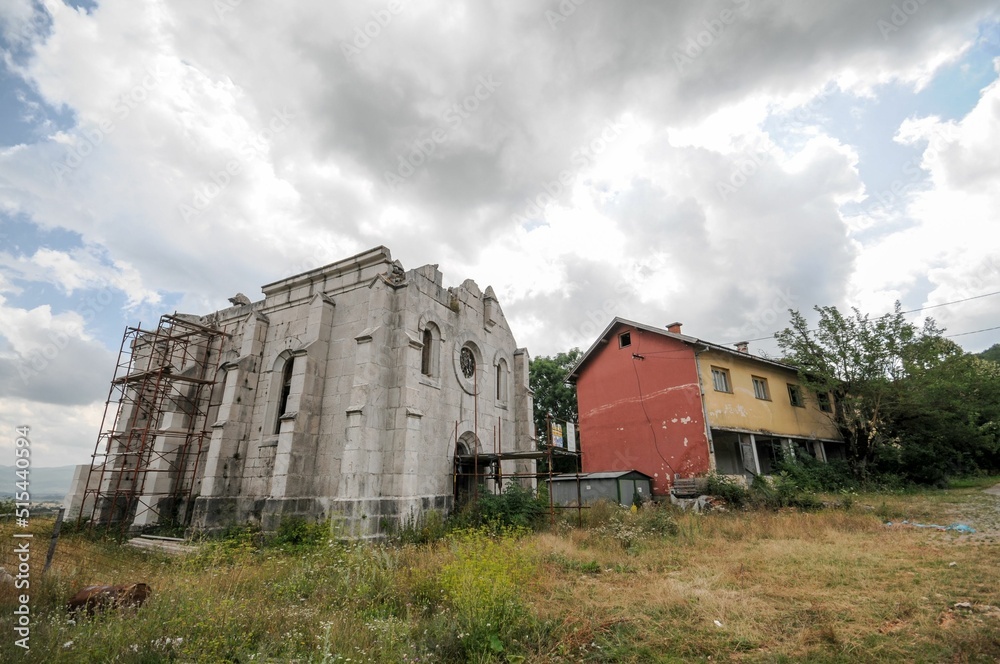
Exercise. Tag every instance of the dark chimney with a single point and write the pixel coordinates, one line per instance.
(742, 346)
(674, 327)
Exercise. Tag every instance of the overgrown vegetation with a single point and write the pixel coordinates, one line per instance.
(555, 397)
(910, 404)
(774, 492)
(648, 584)
(516, 507)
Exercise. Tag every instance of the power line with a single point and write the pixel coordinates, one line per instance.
(910, 311)
(944, 304)
(962, 334)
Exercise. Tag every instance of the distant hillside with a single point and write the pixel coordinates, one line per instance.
(991, 353)
(44, 483)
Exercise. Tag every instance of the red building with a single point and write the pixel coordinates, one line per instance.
(674, 406)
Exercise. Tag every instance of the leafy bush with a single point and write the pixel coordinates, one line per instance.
(810, 474)
(424, 528)
(657, 519)
(516, 507)
(727, 488)
(600, 513)
(297, 532)
(781, 490)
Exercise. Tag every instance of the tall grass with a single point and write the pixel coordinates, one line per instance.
(824, 585)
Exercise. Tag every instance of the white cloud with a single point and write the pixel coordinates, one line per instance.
(51, 358)
(60, 435)
(952, 240)
(76, 269)
(214, 151)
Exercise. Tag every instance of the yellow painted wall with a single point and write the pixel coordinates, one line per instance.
(742, 410)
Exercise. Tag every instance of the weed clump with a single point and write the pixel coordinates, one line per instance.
(630, 527)
(482, 589)
(297, 532)
(771, 492)
(516, 507)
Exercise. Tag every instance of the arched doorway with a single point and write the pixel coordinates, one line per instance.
(470, 471)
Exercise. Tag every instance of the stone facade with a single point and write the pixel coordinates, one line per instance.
(345, 393)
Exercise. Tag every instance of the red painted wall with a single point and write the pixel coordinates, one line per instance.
(643, 414)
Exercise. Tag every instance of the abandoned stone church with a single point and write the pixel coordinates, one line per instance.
(359, 392)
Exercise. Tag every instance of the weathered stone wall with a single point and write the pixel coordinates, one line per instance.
(367, 435)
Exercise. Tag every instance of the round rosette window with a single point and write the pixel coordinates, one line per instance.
(467, 361)
(468, 364)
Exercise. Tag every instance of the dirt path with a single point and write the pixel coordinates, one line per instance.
(982, 512)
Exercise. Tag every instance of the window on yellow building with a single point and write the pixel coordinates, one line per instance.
(760, 388)
(823, 399)
(720, 379)
(795, 396)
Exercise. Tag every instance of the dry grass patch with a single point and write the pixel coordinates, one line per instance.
(826, 586)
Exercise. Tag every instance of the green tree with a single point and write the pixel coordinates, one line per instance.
(861, 361)
(555, 396)
(908, 402)
(946, 417)
(547, 377)
(992, 353)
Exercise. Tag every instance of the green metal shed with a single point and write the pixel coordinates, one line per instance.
(619, 486)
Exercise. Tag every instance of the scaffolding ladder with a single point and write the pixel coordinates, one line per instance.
(157, 421)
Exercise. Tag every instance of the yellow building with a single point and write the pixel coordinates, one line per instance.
(756, 407)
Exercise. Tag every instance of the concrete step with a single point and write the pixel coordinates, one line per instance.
(170, 545)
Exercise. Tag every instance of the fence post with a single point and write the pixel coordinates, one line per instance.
(55, 538)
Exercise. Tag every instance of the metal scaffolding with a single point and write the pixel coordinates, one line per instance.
(157, 420)
(474, 469)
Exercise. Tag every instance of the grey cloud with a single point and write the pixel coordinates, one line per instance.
(65, 371)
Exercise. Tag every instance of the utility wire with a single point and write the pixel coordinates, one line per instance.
(638, 356)
(910, 311)
(962, 334)
(944, 304)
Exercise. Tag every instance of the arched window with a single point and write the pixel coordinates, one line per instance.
(286, 390)
(501, 380)
(430, 338)
(427, 352)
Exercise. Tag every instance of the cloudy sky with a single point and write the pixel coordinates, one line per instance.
(714, 163)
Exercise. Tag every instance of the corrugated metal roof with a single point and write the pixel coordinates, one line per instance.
(605, 475)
